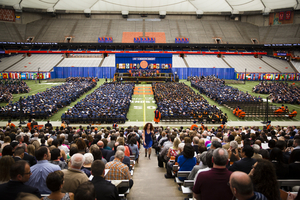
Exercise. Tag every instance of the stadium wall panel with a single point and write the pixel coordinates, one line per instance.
(222, 73)
(100, 72)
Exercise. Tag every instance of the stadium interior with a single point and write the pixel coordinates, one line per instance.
(231, 66)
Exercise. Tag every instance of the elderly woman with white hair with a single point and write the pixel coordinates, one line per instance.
(87, 165)
(256, 149)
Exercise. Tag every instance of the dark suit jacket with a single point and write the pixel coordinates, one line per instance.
(294, 170)
(30, 159)
(105, 190)
(196, 148)
(244, 165)
(10, 190)
(107, 154)
(17, 159)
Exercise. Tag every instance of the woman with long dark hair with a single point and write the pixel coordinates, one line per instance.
(187, 161)
(264, 179)
(147, 138)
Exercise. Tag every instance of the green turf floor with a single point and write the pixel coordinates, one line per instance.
(40, 87)
(143, 105)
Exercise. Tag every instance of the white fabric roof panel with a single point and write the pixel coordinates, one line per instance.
(246, 5)
(154, 5)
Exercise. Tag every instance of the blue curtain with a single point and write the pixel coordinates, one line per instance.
(222, 73)
(100, 72)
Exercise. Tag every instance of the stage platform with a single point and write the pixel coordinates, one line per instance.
(160, 77)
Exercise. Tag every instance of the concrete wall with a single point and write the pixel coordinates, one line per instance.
(261, 20)
(28, 17)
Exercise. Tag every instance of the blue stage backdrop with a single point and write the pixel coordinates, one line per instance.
(138, 58)
(222, 73)
(100, 72)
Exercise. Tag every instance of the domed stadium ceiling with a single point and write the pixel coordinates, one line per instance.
(168, 6)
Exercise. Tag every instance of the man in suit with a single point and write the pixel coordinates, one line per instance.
(18, 154)
(19, 174)
(104, 189)
(107, 154)
(245, 164)
(29, 158)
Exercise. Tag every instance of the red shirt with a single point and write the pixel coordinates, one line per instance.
(212, 184)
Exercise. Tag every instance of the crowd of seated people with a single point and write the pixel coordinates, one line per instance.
(13, 86)
(260, 156)
(263, 155)
(55, 162)
(45, 104)
(216, 89)
(143, 72)
(81, 79)
(178, 100)
(280, 92)
(108, 103)
(5, 95)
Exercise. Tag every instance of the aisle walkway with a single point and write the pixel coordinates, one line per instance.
(150, 183)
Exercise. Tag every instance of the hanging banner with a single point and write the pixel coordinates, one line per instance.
(281, 16)
(24, 75)
(288, 15)
(268, 77)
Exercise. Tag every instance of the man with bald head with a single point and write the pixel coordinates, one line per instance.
(212, 184)
(242, 187)
(73, 175)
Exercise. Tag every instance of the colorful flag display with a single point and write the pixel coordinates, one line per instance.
(24, 75)
(268, 77)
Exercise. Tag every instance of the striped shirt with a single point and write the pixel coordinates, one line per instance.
(258, 196)
(117, 170)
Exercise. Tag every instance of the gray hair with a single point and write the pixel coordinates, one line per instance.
(77, 160)
(121, 148)
(256, 148)
(203, 157)
(181, 146)
(195, 140)
(220, 158)
(89, 158)
(234, 144)
(225, 138)
(119, 154)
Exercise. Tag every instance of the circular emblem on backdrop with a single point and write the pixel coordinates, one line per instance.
(144, 64)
